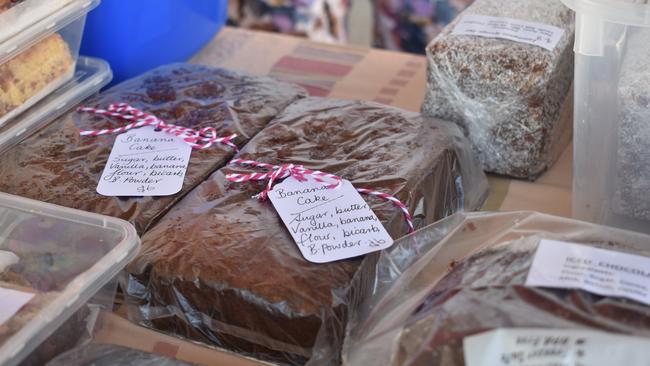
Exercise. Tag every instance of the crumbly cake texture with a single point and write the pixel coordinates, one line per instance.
(33, 70)
(633, 159)
(486, 291)
(512, 99)
(59, 166)
(221, 267)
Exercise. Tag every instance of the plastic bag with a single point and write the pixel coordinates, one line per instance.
(466, 275)
(59, 166)
(513, 99)
(221, 267)
(633, 172)
(111, 355)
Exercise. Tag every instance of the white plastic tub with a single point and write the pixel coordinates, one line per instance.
(611, 173)
(64, 258)
(39, 47)
(90, 76)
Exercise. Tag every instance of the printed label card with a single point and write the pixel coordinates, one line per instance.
(605, 272)
(537, 34)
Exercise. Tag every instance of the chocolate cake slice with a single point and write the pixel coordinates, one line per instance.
(221, 267)
(59, 166)
(513, 99)
(487, 291)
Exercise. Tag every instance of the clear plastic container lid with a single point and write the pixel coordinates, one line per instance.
(90, 76)
(31, 20)
(628, 12)
(52, 260)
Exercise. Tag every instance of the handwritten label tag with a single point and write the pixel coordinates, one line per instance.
(537, 34)
(145, 162)
(554, 347)
(12, 301)
(328, 224)
(605, 272)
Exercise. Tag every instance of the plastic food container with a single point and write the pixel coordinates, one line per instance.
(611, 171)
(16, 16)
(39, 46)
(90, 76)
(52, 261)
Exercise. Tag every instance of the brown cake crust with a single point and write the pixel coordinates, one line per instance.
(486, 291)
(221, 267)
(59, 166)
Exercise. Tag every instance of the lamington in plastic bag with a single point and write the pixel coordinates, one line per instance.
(222, 268)
(488, 72)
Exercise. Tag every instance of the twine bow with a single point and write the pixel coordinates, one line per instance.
(197, 139)
(278, 172)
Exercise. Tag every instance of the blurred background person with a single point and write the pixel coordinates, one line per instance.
(409, 25)
(318, 20)
(401, 25)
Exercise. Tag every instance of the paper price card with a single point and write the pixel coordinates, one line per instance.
(145, 162)
(554, 347)
(328, 224)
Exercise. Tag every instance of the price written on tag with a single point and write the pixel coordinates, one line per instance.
(328, 224)
(12, 301)
(145, 162)
(554, 347)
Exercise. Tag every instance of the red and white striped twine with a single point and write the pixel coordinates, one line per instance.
(299, 172)
(197, 139)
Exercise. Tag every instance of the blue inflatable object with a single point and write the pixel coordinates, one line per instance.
(137, 35)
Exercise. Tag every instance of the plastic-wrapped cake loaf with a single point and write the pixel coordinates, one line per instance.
(222, 268)
(633, 179)
(512, 97)
(58, 165)
(45, 65)
(515, 272)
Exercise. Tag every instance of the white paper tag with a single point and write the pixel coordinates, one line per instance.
(144, 162)
(554, 347)
(537, 34)
(328, 224)
(12, 301)
(565, 265)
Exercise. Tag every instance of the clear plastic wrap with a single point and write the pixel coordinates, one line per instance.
(221, 267)
(57, 165)
(111, 355)
(465, 275)
(60, 259)
(633, 158)
(513, 99)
